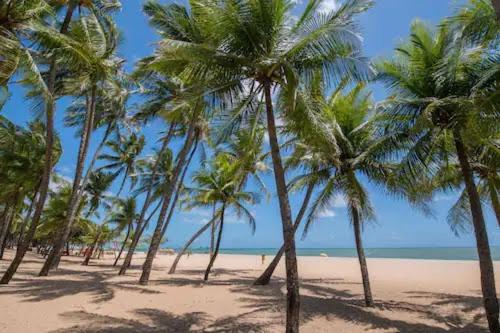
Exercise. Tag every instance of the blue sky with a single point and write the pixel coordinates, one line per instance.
(397, 225)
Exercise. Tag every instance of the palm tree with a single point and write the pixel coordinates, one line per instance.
(55, 214)
(21, 163)
(99, 36)
(160, 92)
(97, 189)
(47, 90)
(124, 218)
(254, 44)
(220, 185)
(348, 147)
(123, 157)
(174, 184)
(438, 97)
(98, 235)
(245, 149)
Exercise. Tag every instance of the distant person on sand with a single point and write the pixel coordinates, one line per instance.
(263, 257)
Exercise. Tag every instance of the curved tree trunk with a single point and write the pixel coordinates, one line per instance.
(5, 234)
(129, 228)
(26, 219)
(123, 182)
(292, 275)
(265, 277)
(171, 187)
(483, 247)
(86, 178)
(494, 199)
(361, 257)
(48, 163)
(217, 246)
(189, 242)
(147, 201)
(90, 252)
(212, 235)
(54, 256)
(6, 228)
(178, 191)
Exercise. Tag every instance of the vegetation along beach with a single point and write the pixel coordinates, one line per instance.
(249, 166)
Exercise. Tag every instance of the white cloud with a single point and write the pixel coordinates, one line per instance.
(327, 213)
(442, 197)
(327, 6)
(197, 216)
(339, 201)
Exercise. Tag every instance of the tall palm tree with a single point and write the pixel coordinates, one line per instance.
(243, 148)
(47, 88)
(231, 46)
(159, 92)
(438, 97)
(99, 36)
(349, 148)
(123, 157)
(220, 185)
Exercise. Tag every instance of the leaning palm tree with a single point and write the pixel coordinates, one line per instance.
(220, 185)
(59, 49)
(124, 218)
(99, 37)
(251, 48)
(245, 150)
(123, 157)
(438, 97)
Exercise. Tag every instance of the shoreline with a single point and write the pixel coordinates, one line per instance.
(418, 253)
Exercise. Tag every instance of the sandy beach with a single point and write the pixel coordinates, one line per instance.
(411, 296)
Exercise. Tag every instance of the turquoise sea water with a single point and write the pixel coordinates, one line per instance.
(439, 253)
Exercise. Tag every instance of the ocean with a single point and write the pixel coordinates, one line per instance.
(434, 253)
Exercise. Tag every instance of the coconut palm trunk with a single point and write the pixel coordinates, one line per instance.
(26, 219)
(54, 256)
(172, 184)
(265, 277)
(292, 275)
(147, 203)
(189, 242)
(97, 152)
(496, 5)
(6, 227)
(90, 252)
(361, 257)
(122, 185)
(217, 245)
(129, 229)
(48, 163)
(212, 235)
(494, 200)
(178, 191)
(483, 247)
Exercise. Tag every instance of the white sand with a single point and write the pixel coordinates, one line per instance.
(424, 296)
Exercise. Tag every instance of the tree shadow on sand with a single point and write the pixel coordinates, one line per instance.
(333, 302)
(97, 284)
(153, 320)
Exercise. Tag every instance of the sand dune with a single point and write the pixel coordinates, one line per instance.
(411, 296)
